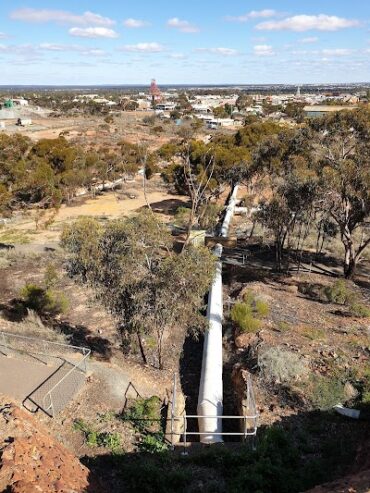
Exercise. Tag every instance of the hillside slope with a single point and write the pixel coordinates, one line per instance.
(33, 461)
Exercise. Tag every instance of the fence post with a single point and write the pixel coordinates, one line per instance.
(4, 344)
(173, 404)
(185, 452)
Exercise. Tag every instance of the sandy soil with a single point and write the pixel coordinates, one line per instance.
(109, 205)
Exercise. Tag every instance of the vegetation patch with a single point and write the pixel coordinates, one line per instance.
(94, 438)
(145, 417)
(247, 314)
(44, 301)
(281, 365)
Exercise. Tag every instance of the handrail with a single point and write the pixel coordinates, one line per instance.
(43, 340)
(75, 367)
(85, 352)
(247, 432)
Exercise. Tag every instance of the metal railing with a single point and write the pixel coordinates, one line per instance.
(249, 418)
(246, 433)
(63, 382)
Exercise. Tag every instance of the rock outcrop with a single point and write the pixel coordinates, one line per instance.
(32, 461)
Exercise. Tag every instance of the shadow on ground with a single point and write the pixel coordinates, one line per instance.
(298, 453)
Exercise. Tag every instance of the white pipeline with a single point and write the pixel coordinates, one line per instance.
(211, 385)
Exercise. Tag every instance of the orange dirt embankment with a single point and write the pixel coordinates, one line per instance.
(33, 461)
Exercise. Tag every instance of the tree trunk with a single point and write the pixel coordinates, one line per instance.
(141, 346)
(278, 252)
(350, 262)
(189, 229)
(160, 348)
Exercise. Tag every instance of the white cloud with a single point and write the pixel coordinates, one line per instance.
(3, 36)
(144, 48)
(181, 25)
(337, 52)
(325, 53)
(219, 51)
(263, 50)
(253, 14)
(301, 23)
(135, 23)
(76, 48)
(60, 16)
(177, 56)
(309, 40)
(93, 32)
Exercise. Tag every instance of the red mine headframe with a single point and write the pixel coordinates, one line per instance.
(154, 91)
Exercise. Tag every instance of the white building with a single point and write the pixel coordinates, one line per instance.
(20, 102)
(221, 122)
(165, 106)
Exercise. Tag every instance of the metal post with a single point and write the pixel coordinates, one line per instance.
(4, 343)
(185, 452)
(173, 404)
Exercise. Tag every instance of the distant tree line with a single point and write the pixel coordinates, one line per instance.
(51, 171)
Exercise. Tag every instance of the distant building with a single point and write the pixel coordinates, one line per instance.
(155, 92)
(220, 122)
(322, 110)
(143, 104)
(165, 106)
(24, 122)
(20, 102)
(201, 108)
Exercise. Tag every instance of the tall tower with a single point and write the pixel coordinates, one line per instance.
(155, 92)
(298, 93)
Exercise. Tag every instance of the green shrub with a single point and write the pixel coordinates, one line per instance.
(339, 293)
(144, 412)
(93, 438)
(246, 314)
(58, 302)
(153, 443)
(325, 392)
(283, 326)
(262, 308)
(242, 315)
(51, 276)
(365, 398)
(250, 325)
(313, 333)
(111, 441)
(43, 301)
(209, 216)
(248, 297)
(359, 310)
(182, 216)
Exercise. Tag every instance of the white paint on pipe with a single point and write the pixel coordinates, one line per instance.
(211, 385)
(345, 411)
(229, 212)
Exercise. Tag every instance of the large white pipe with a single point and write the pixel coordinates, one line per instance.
(211, 385)
(229, 212)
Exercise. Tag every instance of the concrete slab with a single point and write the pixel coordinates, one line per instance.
(19, 378)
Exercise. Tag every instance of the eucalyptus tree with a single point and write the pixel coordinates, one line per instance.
(341, 153)
(155, 294)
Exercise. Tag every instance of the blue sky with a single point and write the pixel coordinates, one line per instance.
(193, 41)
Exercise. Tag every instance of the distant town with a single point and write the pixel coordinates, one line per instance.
(211, 107)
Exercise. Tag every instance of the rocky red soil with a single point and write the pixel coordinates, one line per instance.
(32, 461)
